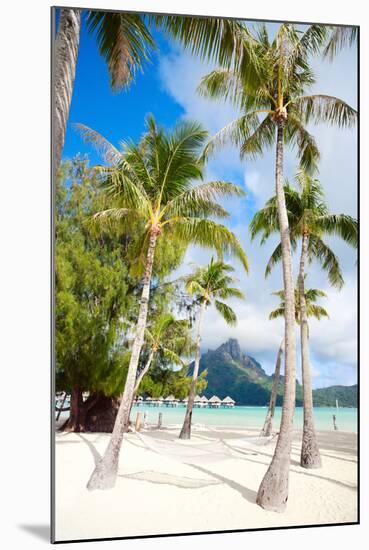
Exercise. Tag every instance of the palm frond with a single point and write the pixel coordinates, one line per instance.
(313, 310)
(201, 200)
(342, 225)
(340, 38)
(278, 312)
(225, 42)
(172, 356)
(263, 137)
(276, 257)
(124, 42)
(324, 108)
(236, 132)
(308, 152)
(113, 221)
(106, 149)
(208, 234)
(226, 312)
(231, 292)
(265, 221)
(222, 84)
(328, 260)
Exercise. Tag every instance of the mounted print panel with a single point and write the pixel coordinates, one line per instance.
(205, 203)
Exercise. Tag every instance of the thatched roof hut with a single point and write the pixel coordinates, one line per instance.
(214, 401)
(228, 402)
(170, 400)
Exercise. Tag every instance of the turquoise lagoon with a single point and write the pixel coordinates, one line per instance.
(249, 417)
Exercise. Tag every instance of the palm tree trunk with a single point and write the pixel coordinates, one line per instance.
(310, 456)
(105, 473)
(143, 372)
(186, 428)
(273, 490)
(137, 384)
(65, 61)
(267, 428)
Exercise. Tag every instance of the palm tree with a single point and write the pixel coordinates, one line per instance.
(167, 336)
(151, 191)
(309, 220)
(279, 93)
(312, 310)
(124, 41)
(208, 284)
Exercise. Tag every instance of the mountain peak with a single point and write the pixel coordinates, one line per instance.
(232, 347)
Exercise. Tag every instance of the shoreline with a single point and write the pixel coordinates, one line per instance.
(156, 493)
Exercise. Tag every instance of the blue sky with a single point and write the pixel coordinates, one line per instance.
(167, 88)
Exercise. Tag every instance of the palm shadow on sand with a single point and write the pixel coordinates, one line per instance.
(245, 492)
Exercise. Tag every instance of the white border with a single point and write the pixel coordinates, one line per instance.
(25, 281)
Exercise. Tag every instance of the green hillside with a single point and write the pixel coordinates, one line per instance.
(232, 372)
(326, 397)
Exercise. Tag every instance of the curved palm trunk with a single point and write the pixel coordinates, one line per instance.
(105, 473)
(273, 490)
(267, 428)
(138, 382)
(143, 372)
(186, 428)
(65, 61)
(310, 456)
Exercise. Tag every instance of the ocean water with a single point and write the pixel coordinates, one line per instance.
(249, 417)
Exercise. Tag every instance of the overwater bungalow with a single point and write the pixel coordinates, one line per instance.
(215, 402)
(228, 402)
(197, 401)
(171, 401)
(204, 401)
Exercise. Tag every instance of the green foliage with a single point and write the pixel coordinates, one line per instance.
(212, 282)
(340, 37)
(92, 291)
(161, 382)
(347, 396)
(276, 92)
(153, 186)
(313, 309)
(124, 42)
(308, 214)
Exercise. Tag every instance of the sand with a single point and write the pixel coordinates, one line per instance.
(155, 494)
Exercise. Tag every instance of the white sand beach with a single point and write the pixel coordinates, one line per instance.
(157, 494)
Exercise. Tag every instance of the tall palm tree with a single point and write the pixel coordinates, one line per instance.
(312, 310)
(125, 41)
(209, 284)
(309, 220)
(279, 94)
(151, 190)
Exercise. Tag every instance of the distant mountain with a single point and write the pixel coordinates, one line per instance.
(232, 372)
